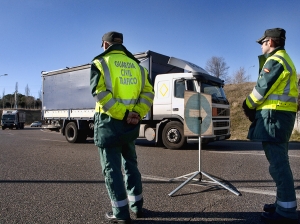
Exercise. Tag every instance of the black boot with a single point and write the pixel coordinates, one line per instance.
(112, 219)
(139, 214)
(270, 207)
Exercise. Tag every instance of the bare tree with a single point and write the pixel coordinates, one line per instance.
(27, 93)
(40, 93)
(16, 95)
(30, 102)
(11, 99)
(240, 76)
(217, 67)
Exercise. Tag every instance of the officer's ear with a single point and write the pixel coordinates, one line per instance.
(105, 45)
(271, 43)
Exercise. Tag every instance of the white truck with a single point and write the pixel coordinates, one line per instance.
(69, 106)
(13, 119)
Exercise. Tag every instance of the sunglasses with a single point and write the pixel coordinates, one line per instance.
(265, 41)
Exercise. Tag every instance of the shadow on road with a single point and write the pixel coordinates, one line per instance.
(227, 145)
(206, 217)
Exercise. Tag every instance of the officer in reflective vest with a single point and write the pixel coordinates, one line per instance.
(272, 107)
(123, 96)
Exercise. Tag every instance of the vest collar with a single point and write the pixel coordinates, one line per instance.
(118, 47)
(263, 58)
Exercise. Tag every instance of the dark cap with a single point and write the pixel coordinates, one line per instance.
(275, 32)
(112, 37)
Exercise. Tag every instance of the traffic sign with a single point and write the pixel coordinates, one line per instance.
(193, 101)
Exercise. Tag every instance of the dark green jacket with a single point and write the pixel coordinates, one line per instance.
(269, 124)
(272, 126)
(110, 132)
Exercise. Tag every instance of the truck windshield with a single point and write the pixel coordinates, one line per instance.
(217, 93)
(8, 117)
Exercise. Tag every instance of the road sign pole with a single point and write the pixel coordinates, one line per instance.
(199, 172)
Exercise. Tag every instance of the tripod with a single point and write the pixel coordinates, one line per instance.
(199, 172)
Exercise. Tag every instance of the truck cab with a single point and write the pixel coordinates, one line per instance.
(171, 77)
(12, 119)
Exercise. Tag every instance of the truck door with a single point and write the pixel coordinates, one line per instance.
(162, 101)
(180, 86)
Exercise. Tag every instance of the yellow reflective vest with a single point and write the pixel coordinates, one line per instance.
(122, 84)
(277, 86)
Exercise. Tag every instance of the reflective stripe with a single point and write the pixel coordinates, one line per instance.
(127, 102)
(135, 198)
(142, 100)
(109, 104)
(143, 77)
(257, 94)
(101, 95)
(283, 98)
(288, 204)
(150, 95)
(109, 87)
(251, 101)
(288, 84)
(118, 204)
(106, 74)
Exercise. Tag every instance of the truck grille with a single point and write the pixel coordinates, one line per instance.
(221, 124)
(223, 112)
(221, 132)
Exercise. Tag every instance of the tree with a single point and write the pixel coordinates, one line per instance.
(16, 95)
(40, 93)
(27, 93)
(240, 76)
(217, 67)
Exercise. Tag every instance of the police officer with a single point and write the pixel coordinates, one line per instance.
(123, 96)
(272, 107)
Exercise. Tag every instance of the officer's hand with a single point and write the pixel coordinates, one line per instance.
(133, 118)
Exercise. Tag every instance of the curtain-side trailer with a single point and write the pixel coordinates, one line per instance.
(69, 106)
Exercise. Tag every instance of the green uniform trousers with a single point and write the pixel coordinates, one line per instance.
(122, 190)
(277, 155)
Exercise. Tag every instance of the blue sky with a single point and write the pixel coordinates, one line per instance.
(40, 35)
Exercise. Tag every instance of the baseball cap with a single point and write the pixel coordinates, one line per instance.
(275, 32)
(112, 36)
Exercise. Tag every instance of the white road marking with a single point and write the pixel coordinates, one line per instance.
(205, 183)
(248, 153)
(44, 139)
(264, 192)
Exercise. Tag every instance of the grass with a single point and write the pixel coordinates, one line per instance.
(236, 94)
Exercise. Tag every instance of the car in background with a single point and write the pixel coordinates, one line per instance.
(36, 124)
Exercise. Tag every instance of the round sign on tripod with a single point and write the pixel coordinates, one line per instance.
(193, 101)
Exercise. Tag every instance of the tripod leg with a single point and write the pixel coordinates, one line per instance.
(184, 183)
(218, 182)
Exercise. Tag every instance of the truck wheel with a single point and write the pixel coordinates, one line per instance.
(72, 133)
(3, 127)
(173, 136)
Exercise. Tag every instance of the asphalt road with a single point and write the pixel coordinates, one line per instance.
(44, 179)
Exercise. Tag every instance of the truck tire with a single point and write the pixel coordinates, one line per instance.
(173, 136)
(72, 134)
(3, 127)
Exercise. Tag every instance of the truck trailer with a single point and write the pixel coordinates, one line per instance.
(69, 106)
(13, 119)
